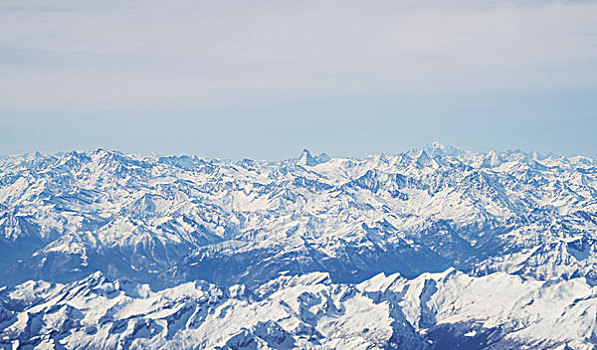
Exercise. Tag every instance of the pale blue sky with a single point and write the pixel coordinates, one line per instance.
(265, 79)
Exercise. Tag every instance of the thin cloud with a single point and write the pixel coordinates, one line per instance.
(95, 54)
(206, 54)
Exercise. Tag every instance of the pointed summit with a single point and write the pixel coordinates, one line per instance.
(491, 159)
(307, 159)
(424, 160)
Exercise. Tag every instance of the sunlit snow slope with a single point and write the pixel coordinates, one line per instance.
(422, 249)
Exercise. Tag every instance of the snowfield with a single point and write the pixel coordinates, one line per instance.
(434, 248)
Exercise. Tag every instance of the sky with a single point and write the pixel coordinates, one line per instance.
(266, 78)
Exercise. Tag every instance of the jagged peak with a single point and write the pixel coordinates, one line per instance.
(323, 157)
(307, 159)
(491, 159)
(423, 160)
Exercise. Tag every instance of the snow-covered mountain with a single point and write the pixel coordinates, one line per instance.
(432, 245)
(433, 311)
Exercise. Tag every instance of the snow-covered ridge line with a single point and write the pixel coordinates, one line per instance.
(432, 311)
(420, 249)
(171, 219)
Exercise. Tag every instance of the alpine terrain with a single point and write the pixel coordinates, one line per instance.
(434, 248)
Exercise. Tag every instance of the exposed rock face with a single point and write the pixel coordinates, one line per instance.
(495, 221)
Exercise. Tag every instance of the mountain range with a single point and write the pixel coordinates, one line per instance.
(433, 248)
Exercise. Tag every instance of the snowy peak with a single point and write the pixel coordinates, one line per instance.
(307, 159)
(491, 160)
(423, 249)
(423, 160)
(437, 149)
(156, 219)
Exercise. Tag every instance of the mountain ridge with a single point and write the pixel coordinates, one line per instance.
(164, 208)
(441, 222)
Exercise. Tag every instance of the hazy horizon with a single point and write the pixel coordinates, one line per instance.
(266, 79)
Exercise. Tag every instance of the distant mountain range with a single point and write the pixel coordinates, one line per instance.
(437, 247)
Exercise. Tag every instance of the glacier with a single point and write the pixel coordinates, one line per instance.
(433, 248)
